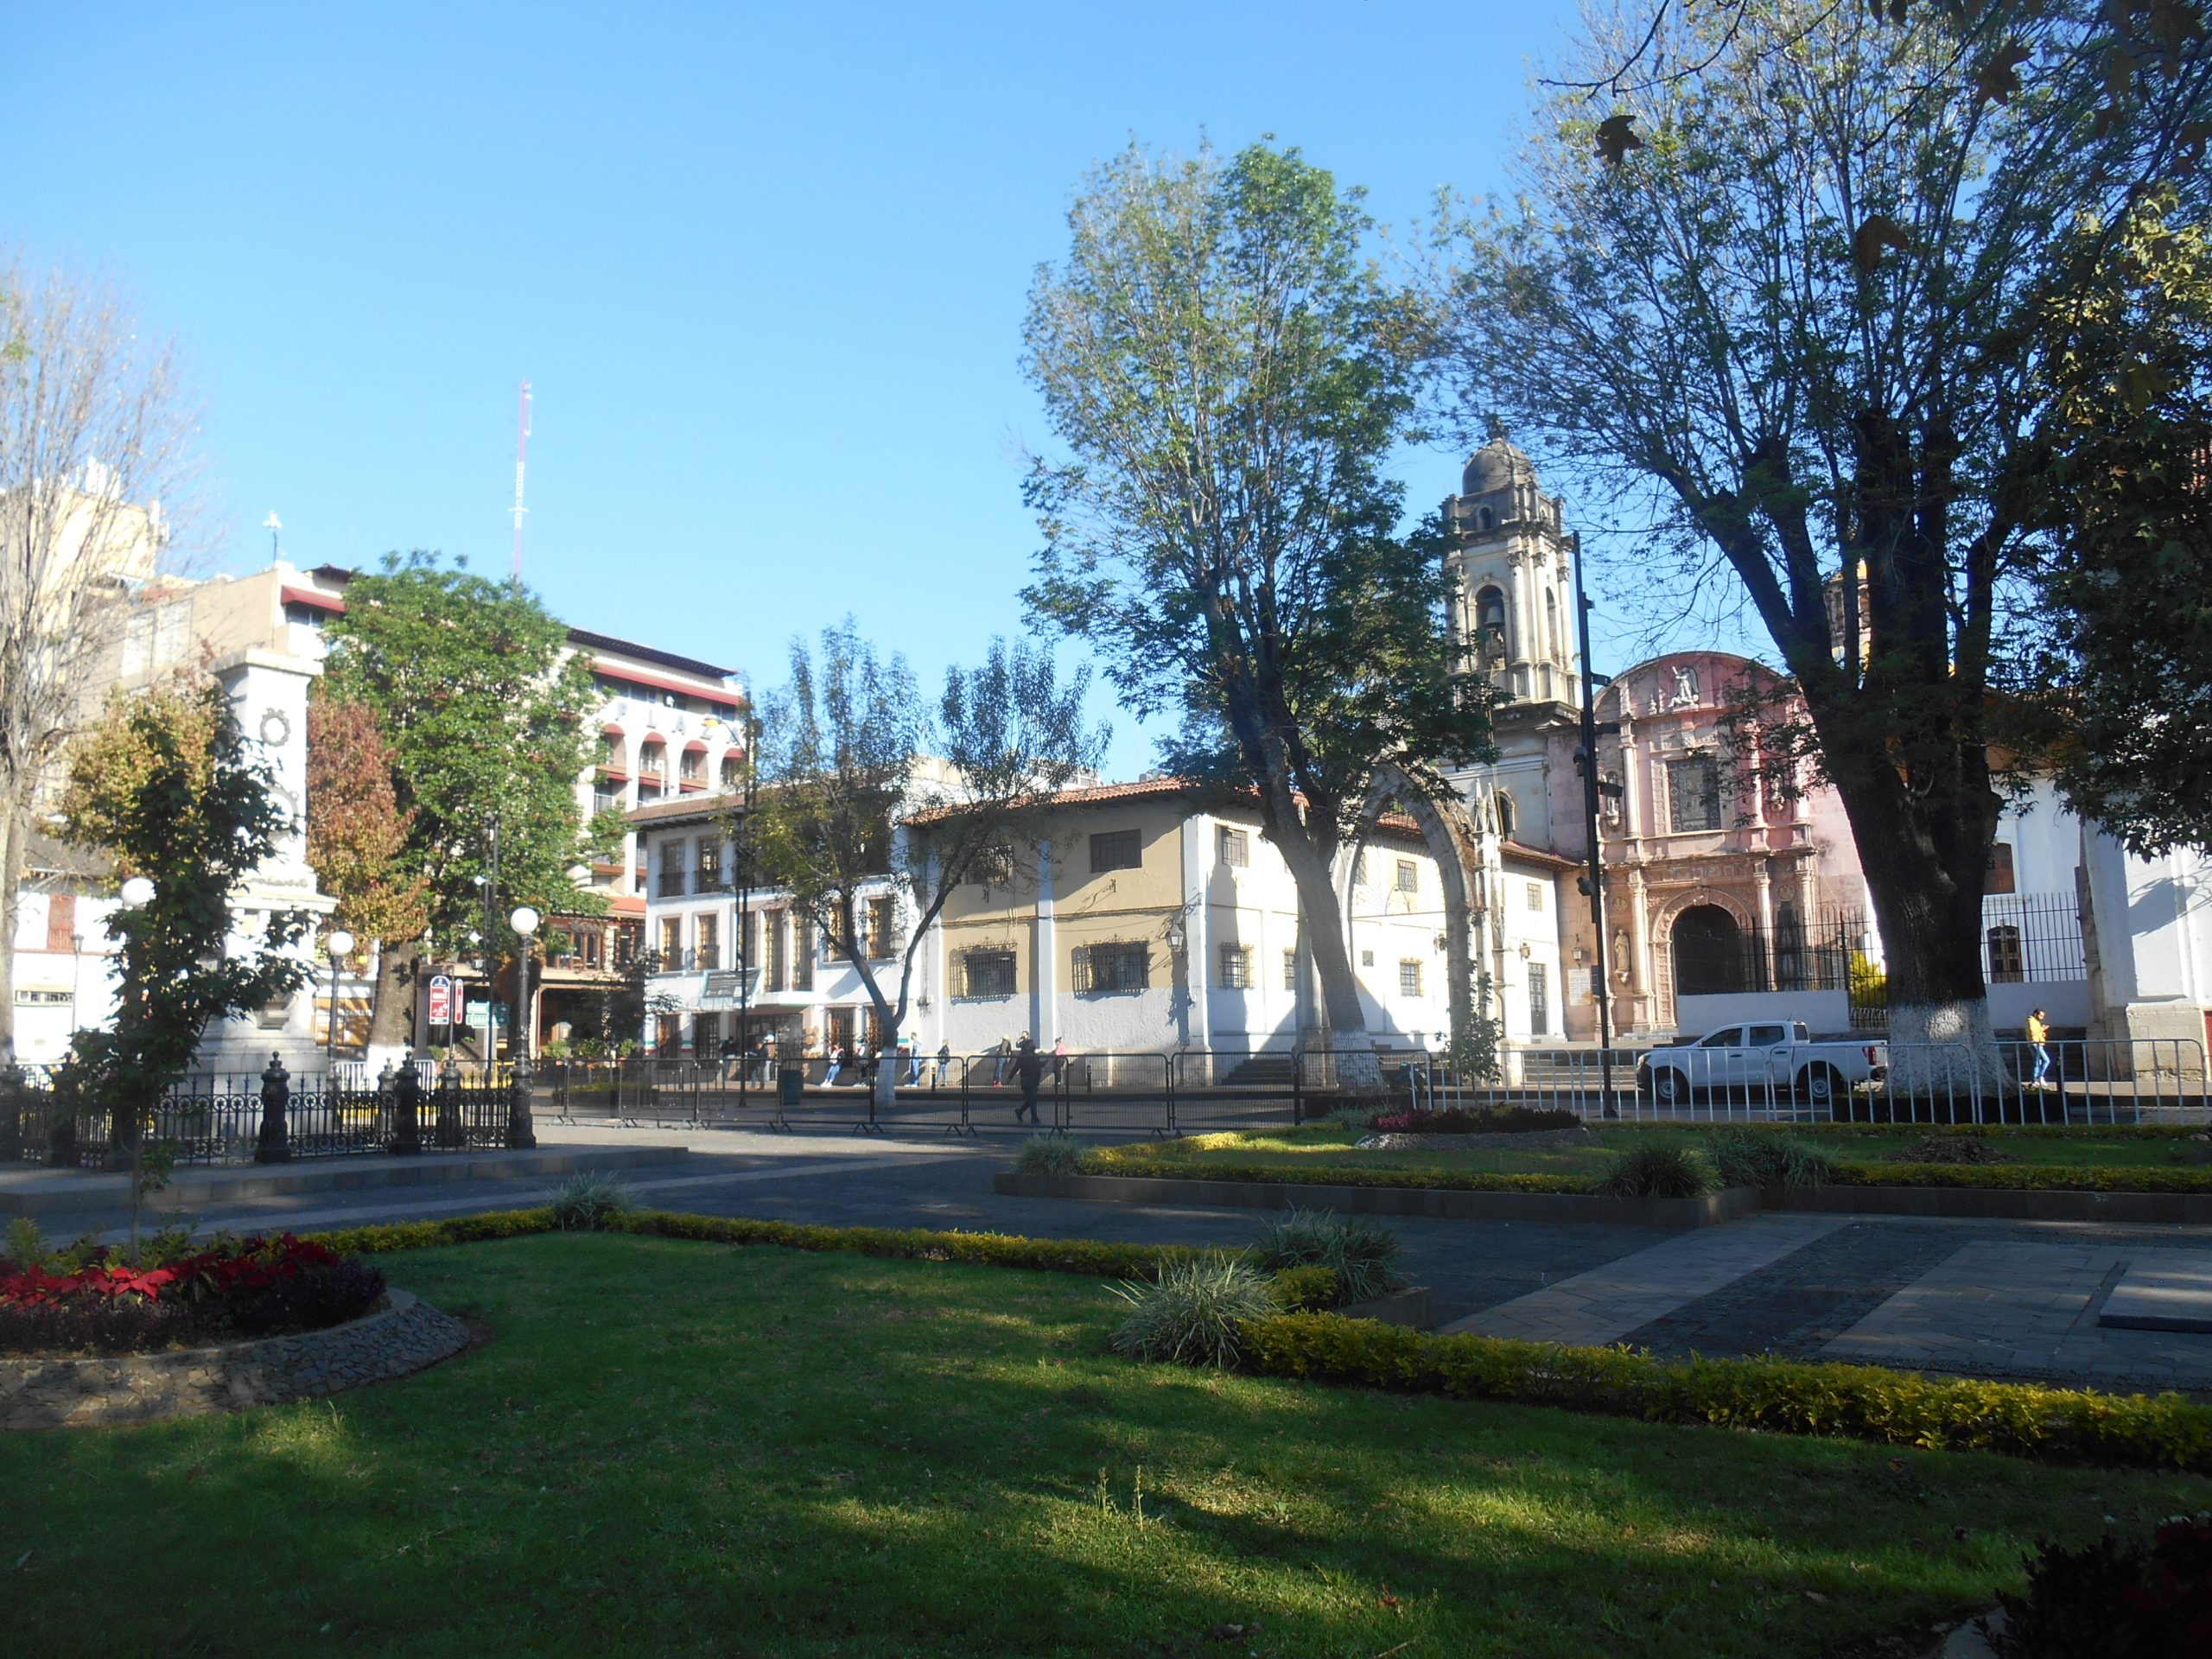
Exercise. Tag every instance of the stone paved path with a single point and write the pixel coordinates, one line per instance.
(1605, 1304)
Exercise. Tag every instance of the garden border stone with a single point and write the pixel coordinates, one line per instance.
(85, 1390)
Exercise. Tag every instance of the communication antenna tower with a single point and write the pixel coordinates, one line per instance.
(522, 448)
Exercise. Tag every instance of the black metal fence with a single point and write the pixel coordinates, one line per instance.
(271, 1117)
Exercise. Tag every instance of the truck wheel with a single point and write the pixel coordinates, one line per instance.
(1819, 1086)
(1669, 1087)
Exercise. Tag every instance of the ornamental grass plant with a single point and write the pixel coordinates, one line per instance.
(1742, 1157)
(1655, 1169)
(1049, 1154)
(1193, 1312)
(1361, 1254)
(591, 1203)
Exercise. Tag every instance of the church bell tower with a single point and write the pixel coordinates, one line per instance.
(1512, 556)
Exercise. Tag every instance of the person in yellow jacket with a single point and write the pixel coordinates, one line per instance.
(2038, 1035)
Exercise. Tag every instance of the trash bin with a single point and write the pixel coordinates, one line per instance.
(789, 1081)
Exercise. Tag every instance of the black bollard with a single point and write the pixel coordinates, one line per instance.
(275, 1144)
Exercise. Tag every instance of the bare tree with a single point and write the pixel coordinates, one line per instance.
(93, 440)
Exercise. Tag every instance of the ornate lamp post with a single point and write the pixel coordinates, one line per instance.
(520, 1131)
(339, 945)
(524, 922)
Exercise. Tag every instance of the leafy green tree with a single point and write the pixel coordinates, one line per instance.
(485, 713)
(1227, 373)
(852, 766)
(2125, 669)
(165, 786)
(1792, 320)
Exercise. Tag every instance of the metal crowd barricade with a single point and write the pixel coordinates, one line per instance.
(2085, 1081)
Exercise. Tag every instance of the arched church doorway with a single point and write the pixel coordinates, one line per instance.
(1708, 952)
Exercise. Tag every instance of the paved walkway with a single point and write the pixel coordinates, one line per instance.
(1603, 1305)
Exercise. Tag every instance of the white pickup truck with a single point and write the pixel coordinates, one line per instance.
(1760, 1061)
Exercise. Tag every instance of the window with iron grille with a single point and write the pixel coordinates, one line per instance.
(711, 863)
(707, 933)
(1694, 793)
(671, 943)
(1535, 895)
(1235, 846)
(1409, 977)
(778, 958)
(882, 930)
(671, 869)
(1236, 967)
(1119, 965)
(804, 946)
(993, 866)
(2008, 962)
(986, 973)
(1290, 971)
(1116, 849)
(1539, 999)
(1409, 876)
(693, 767)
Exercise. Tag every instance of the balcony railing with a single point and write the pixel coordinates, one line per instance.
(671, 884)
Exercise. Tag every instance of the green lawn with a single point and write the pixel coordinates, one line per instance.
(1328, 1144)
(669, 1447)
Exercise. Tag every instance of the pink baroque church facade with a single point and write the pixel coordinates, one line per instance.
(1715, 888)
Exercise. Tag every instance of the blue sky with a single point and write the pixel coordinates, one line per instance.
(764, 268)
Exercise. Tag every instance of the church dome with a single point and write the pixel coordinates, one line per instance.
(1498, 465)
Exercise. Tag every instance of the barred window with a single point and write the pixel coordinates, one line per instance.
(1290, 971)
(1236, 967)
(1694, 793)
(671, 943)
(708, 933)
(986, 973)
(1116, 966)
(1116, 849)
(1409, 977)
(882, 930)
(993, 866)
(1235, 846)
(711, 863)
(1409, 876)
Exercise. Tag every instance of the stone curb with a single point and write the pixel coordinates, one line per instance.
(100, 1389)
(1447, 1203)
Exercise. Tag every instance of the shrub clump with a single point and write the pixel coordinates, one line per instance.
(89, 1299)
(1048, 1155)
(1313, 1289)
(1361, 1254)
(1742, 1157)
(2110, 1600)
(1193, 1313)
(1655, 1169)
(591, 1203)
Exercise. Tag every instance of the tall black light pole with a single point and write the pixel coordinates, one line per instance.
(742, 849)
(341, 946)
(1596, 879)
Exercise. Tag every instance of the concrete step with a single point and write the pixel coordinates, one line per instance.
(37, 1192)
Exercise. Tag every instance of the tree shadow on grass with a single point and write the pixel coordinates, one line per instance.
(676, 1447)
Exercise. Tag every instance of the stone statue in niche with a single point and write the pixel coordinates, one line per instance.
(1610, 798)
(1685, 686)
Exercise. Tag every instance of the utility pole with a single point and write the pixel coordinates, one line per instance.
(522, 447)
(1594, 882)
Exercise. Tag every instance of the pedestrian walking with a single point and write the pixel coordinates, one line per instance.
(1006, 1054)
(943, 1064)
(1028, 1071)
(2038, 1035)
(913, 1058)
(1059, 1060)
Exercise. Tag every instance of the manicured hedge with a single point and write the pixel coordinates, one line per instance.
(1860, 1402)
(1142, 1162)
(2025, 1178)
(1076, 1255)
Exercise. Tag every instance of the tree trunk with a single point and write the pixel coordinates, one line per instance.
(11, 881)
(1925, 854)
(1344, 1019)
(391, 1018)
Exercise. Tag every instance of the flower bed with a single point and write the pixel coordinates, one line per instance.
(93, 1300)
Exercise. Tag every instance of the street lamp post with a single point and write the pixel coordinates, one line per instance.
(524, 922)
(520, 1131)
(136, 893)
(76, 975)
(340, 946)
